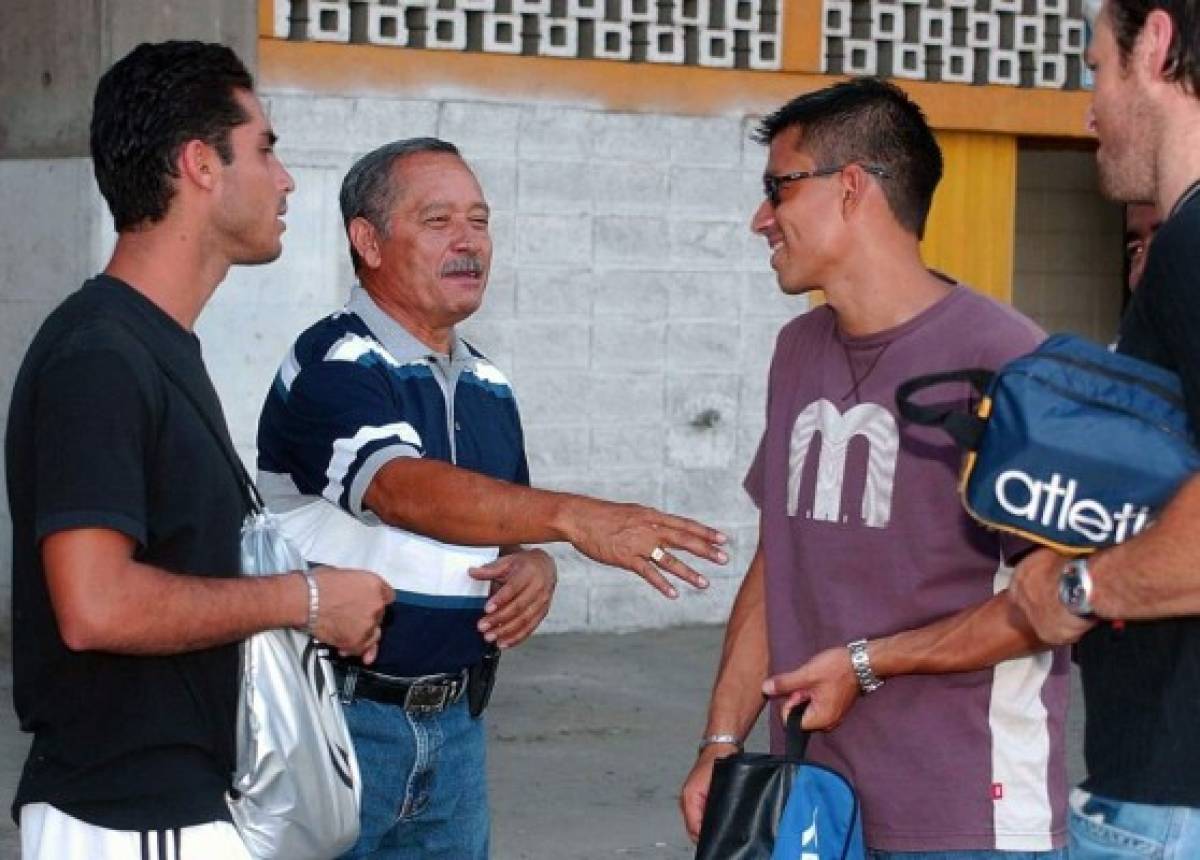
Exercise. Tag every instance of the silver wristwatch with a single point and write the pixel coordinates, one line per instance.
(860, 662)
(1075, 588)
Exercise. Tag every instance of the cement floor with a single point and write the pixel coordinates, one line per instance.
(591, 736)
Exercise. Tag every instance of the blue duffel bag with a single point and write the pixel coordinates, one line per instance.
(1072, 446)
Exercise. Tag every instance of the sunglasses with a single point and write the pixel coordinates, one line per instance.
(773, 184)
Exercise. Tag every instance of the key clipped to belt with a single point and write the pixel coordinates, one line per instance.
(480, 679)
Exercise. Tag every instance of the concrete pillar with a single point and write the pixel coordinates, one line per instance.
(53, 52)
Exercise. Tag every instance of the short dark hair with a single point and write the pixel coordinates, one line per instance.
(868, 121)
(370, 189)
(1128, 17)
(147, 106)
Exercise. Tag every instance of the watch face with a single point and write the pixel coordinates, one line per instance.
(1070, 589)
(1073, 590)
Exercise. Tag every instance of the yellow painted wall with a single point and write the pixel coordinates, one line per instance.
(971, 227)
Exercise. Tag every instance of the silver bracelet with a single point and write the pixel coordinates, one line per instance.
(860, 661)
(710, 740)
(314, 602)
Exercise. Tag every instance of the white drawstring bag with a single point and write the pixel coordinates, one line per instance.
(297, 788)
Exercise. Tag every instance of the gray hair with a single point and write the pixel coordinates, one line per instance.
(370, 189)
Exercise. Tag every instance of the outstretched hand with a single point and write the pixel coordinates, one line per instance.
(642, 540)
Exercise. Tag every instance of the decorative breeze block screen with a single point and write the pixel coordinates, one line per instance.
(743, 34)
(1021, 43)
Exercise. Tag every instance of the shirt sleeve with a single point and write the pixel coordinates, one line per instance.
(522, 473)
(343, 424)
(1173, 272)
(1019, 338)
(94, 420)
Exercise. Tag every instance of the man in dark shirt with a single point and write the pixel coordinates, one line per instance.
(1141, 677)
(126, 506)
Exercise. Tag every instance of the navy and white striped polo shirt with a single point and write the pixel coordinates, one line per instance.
(356, 391)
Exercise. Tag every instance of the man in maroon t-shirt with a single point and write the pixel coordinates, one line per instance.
(867, 567)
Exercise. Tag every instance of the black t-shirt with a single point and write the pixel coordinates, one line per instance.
(99, 437)
(1142, 682)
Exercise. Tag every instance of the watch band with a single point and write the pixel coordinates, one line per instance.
(710, 740)
(860, 662)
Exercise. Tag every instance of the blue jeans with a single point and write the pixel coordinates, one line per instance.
(1117, 829)
(424, 783)
(1056, 854)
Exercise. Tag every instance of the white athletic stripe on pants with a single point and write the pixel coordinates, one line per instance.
(50, 834)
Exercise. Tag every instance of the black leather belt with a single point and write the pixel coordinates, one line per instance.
(428, 694)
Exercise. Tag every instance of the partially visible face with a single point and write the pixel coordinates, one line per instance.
(1122, 117)
(1141, 222)
(802, 232)
(253, 190)
(435, 260)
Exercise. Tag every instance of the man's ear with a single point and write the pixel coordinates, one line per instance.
(364, 238)
(1154, 44)
(198, 163)
(855, 182)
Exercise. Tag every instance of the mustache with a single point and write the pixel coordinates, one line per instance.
(471, 264)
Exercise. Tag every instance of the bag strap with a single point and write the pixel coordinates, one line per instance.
(796, 737)
(964, 428)
(250, 494)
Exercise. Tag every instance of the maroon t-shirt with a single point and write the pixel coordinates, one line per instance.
(864, 536)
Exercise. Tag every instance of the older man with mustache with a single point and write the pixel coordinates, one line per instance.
(389, 439)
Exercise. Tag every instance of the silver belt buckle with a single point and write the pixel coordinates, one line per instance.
(428, 698)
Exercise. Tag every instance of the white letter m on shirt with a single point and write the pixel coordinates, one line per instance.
(873, 423)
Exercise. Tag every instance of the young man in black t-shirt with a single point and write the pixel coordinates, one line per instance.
(1141, 678)
(126, 506)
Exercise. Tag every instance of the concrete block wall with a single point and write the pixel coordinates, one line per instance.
(629, 303)
(1068, 269)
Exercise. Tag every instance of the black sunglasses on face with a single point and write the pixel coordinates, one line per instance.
(773, 184)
